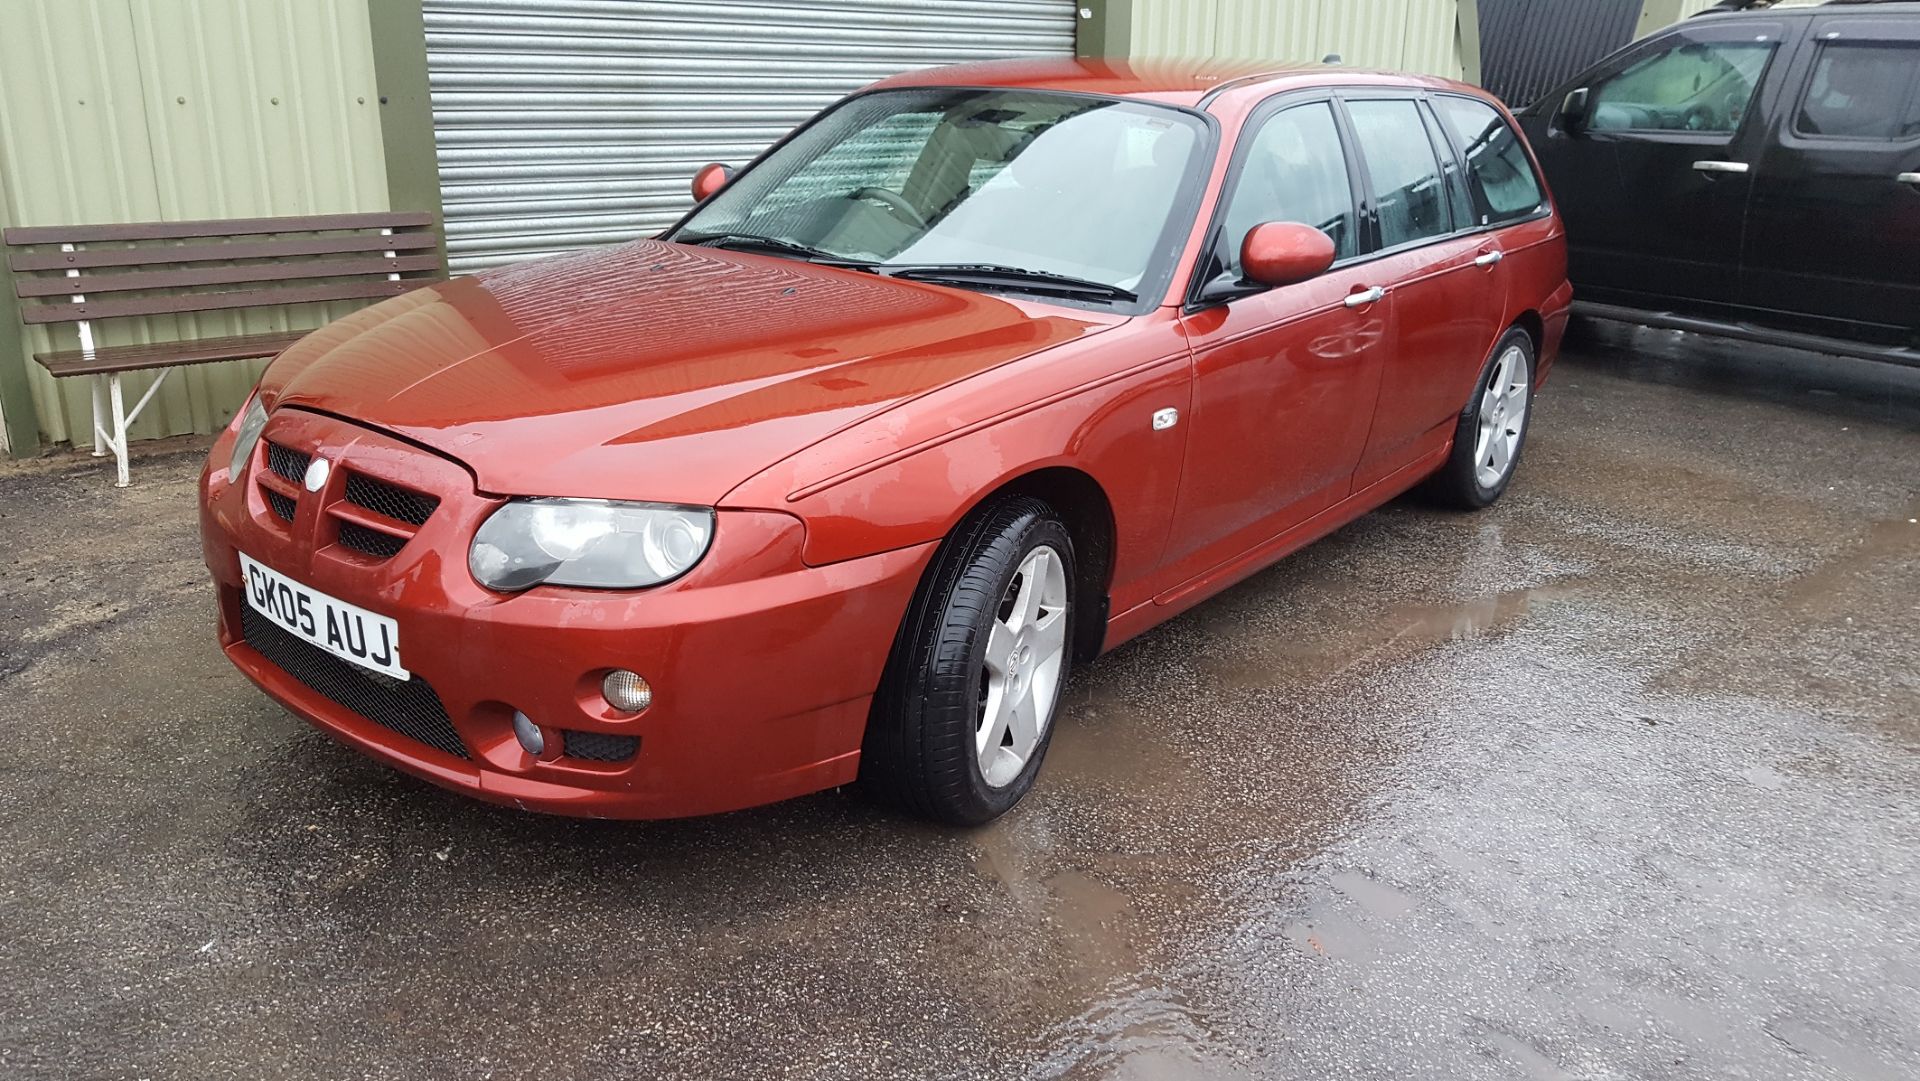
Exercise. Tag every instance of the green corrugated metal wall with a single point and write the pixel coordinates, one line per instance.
(140, 110)
(1405, 35)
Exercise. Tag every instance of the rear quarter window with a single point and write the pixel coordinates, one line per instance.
(1500, 177)
(1863, 90)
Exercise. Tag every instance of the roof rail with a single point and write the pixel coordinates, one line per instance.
(1725, 6)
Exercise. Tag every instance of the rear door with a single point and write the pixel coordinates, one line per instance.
(1444, 312)
(1833, 246)
(1654, 185)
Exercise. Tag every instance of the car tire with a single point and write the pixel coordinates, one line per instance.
(946, 739)
(1492, 430)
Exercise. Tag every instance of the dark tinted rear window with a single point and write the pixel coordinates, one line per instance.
(1864, 91)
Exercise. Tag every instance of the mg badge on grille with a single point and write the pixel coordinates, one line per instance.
(317, 471)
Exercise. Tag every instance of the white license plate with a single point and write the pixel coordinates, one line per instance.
(344, 630)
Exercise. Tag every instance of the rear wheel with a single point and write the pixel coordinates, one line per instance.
(1492, 430)
(965, 710)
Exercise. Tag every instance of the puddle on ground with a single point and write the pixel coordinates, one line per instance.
(1404, 628)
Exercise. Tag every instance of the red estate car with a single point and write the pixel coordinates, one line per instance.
(981, 371)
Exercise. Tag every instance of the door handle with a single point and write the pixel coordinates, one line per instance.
(1909, 178)
(1489, 258)
(1730, 168)
(1366, 297)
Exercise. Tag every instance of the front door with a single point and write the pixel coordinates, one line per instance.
(1681, 117)
(1835, 226)
(1285, 379)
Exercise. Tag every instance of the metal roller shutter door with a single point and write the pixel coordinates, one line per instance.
(565, 123)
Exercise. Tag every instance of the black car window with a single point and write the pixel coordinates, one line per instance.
(1695, 86)
(1408, 191)
(1295, 170)
(1863, 91)
(1500, 177)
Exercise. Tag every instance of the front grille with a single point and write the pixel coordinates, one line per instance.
(409, 707)
(390, 499)
(370, 542)
(282, 506)
(599, 746)
(289, 464)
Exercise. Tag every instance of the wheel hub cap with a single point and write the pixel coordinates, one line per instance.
(1503, 418)
(1026, 655)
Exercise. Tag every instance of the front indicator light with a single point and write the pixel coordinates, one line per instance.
(626, 691)
(594, 543)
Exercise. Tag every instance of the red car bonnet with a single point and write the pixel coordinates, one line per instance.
(543, 378)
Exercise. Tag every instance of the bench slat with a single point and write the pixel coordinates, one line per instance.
(232, 249)
(90, 284)
(203, 302)
(174, 230)
(128, 358)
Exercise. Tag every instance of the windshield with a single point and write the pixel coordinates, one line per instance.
(1057, 184)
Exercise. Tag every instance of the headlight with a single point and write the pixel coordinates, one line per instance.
(595, 543)
(252, 419)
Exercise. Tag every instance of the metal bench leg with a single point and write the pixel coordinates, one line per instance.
(119, 431)
(100, 416)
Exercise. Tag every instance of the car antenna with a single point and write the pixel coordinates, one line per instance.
(1332, 59)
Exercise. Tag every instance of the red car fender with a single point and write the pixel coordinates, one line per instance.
(1087, 406)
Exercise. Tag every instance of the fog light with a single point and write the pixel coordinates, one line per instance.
(528, 734)
(626, 691)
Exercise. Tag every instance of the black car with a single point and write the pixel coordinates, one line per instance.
(1754, 174)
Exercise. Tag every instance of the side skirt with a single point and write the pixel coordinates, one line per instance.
(1142, 617)
(1747, 332)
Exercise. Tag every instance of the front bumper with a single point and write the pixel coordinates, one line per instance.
(763, 669)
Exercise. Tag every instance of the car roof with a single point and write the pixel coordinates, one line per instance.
(1856, 7)
(1172, 81)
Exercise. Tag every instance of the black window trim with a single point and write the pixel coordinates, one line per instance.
(1165, 266)
(1360, 183)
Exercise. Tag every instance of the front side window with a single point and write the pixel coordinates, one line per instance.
(1408, 192)
(1500, 177)
(1294, 171)
(1077, 186)
(1863, 91)
(1696, 86)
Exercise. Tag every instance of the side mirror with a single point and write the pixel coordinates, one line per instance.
(1285, 253)
(1572, 117)
(711, 178)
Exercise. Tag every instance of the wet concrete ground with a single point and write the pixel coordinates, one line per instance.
(1616, 780)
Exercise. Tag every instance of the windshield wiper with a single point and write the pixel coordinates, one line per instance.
(996, 276)
(773, 245)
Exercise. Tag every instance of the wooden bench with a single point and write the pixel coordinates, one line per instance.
(82, 274)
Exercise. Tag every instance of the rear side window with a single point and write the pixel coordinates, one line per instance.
(1695, 86)
(1296, 171)
(1863, 91)
(1408, 191)
(1500, 178)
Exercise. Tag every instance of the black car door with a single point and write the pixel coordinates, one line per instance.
(1833, 241)
(1653, 183)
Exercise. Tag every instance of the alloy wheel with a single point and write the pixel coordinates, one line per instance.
(1503, 418)
(1026, 655)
